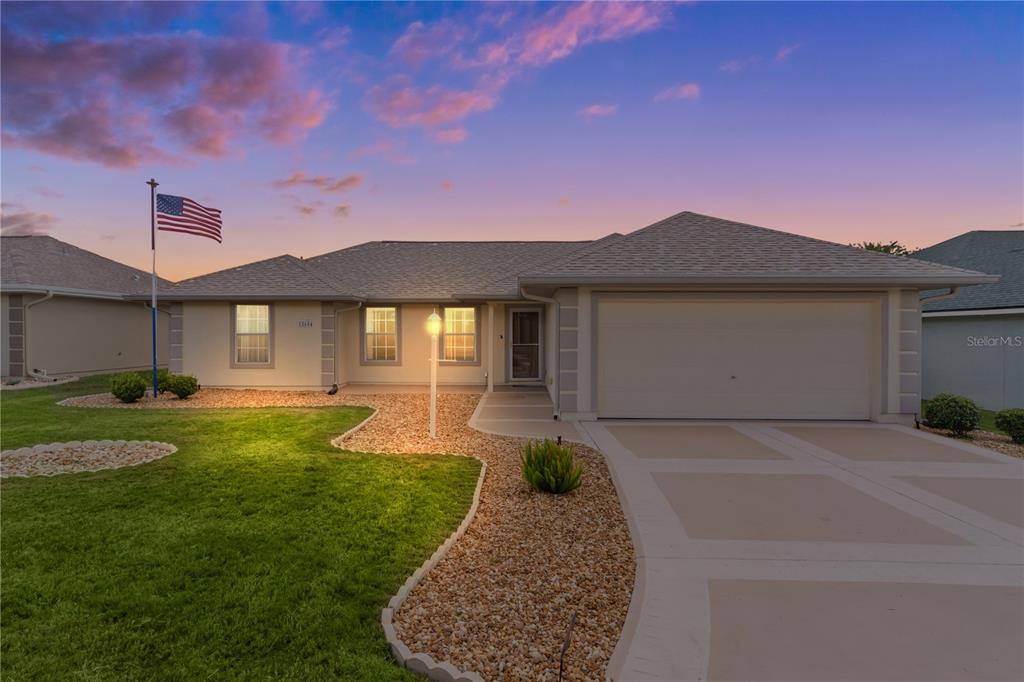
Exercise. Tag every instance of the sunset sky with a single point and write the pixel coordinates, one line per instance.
(315, 126)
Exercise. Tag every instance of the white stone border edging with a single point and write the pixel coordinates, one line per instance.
(29, 384)
(66, 402)
(424, 663)
(337, 440)
(165, 448)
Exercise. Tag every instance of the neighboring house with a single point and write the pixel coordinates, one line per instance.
(692, 317)
(974, 340)
(65, 311)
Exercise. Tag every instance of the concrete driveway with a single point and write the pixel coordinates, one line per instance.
(817, 551)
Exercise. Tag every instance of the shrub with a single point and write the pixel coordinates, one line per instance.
(1012, 421)
(161, 377)
(954, 413)
(549, 467)
(127, 387)
(182, 385)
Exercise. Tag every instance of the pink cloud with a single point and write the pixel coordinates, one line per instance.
(598, 111)
(562, 31)
(681, 91)
(426, 107)
(342, 210)
(447, 186)
(203, 129)
(737, 65)
(449, 135)
(333, 37)
(785, 52)
(18, 221)
(202, 91)
(324, 183)
(422, 42)
(522, 45)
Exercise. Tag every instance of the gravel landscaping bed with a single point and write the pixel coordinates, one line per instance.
(75, 456)
(986, 439)
(503, 595)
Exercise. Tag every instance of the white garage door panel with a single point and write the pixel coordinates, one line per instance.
(734, 359)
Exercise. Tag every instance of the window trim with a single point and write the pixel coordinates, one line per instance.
(363, 360)
(476, 326)
(233, 353)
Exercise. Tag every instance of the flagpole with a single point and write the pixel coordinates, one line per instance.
(152, 238)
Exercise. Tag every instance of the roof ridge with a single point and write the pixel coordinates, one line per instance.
(579, 254)
(315, 272)
(552, 259)
(856, 249)
(233, 267)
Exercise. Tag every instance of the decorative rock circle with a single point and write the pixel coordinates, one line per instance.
(77, 456)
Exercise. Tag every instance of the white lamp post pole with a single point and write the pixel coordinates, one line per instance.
(434, 327)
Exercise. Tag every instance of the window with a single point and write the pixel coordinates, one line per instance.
(252, 334)
(382, 335)
(459, 336)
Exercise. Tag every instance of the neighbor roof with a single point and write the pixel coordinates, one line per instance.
(42, 263)
(999, 252)
(685, 248)
(693, 248)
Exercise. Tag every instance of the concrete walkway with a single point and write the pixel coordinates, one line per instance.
(789, 551)
(525, 412)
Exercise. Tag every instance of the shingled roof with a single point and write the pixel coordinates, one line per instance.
(283, 277)
(693, 248)
(998, 252)
(685, 248)
(42, 263)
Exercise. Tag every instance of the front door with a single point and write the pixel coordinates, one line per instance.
(525, 347)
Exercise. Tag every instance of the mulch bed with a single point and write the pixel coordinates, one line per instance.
(985, 439)
(503, 595)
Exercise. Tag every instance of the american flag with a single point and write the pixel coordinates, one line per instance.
(180, 214)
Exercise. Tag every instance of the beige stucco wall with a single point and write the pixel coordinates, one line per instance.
(4, 331)
(207, 346)
(81, 335)
(414, 354)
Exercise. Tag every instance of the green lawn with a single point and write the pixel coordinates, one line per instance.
(257, 551)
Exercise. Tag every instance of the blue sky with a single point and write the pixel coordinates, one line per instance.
(315, 126)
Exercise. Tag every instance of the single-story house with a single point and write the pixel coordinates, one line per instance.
(973, 341)
(65, 310)
(691, 317)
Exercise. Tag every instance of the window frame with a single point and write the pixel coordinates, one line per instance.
(233, 337)
(476, 337)
(363, 358)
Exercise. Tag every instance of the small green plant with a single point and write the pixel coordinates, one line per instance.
(549, 467)
(1012, 421)
(162, 375)
(182, 385)
(127, 387)
(954, 413)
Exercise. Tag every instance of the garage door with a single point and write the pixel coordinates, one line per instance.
(735, 358)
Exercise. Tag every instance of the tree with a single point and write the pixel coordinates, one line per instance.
(894, 248)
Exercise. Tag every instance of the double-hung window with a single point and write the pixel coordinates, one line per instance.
(381, 343)
(252, 334)
(459, 338)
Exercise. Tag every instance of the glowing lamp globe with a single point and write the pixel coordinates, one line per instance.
(434, 324)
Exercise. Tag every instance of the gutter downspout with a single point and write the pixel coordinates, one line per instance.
(558, 349)
(940, 297)
(28, 367)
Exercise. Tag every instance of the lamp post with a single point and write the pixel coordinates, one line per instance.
(434, 329)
